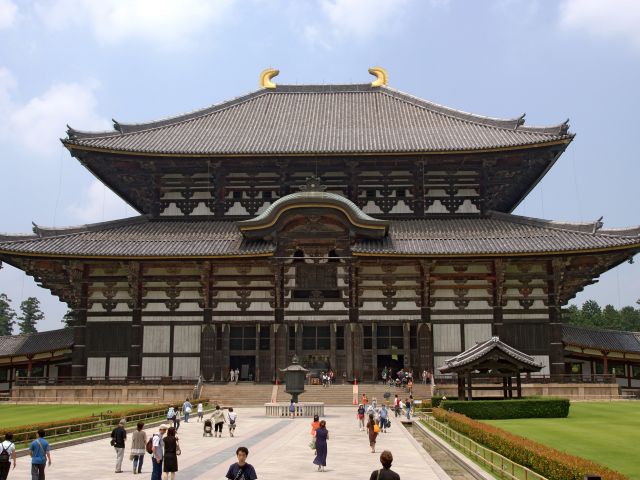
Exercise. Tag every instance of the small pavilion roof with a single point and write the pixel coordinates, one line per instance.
(322, 120)
(476, 354)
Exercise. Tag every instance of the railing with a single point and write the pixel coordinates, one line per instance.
(302, 409)
(99, 425)
(34, 381)
(492, 461)
(534, 378)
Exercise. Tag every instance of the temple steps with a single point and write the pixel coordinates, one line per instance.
(249, 394)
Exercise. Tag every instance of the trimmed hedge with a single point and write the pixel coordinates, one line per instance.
(548, 462)
(516, 408)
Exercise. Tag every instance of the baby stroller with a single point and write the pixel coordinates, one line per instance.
(208, 428)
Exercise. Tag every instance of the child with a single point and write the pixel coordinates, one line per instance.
(200, 411)
(241, 470)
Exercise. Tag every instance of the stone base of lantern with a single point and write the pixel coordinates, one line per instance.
(302, 409)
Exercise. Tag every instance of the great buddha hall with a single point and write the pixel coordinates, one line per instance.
(356, 226)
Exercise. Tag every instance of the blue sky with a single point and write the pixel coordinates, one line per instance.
(83, 62)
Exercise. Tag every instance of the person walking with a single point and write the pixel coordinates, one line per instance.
(315, 425)
(186, 410)
(200, 411)
(322, 435)
(39, 451)
(170, 413)
(241, 470)
(365, 400)
(7, 453)
(360, 415)
(384, 419)
(176, 419)
(385, 473)
(407, 407)
(233, 416)
(157, 452)
(425, 377)
(118, 437)
(237, 375)
(232, 375)
(138, 444)
(372, 431)
(292, 409)
(218, 421)
(171, 450)
(396, 405)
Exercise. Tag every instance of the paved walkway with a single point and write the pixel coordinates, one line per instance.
(278, 449)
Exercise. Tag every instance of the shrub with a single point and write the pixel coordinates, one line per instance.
(517, 408)
(548, 462)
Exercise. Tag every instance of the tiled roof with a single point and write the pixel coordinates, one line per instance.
(610, 340)
(31, 343)
(322, 119)
(499, 233)
(481, 349)
(139, 237)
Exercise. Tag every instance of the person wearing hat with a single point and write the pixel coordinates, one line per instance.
(157, 452)
(118, 437)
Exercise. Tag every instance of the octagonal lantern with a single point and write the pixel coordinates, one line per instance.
(294, 377)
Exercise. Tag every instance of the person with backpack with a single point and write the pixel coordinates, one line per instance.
(186, 410)
(7, 453)
(154, 447)
(360, 415)
(118, 437)
(385, 473)
(138, 445)
(233, 416)
(241, 470)
(39, 451)
(384, 419)
(292, 409)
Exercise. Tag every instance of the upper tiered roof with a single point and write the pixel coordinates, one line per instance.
(323, 120)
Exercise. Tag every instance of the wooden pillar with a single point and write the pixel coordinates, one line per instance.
(510, 384)
(605, 361)
(406, 344)
(256, 353)
(498, 273)
(504, 387)
(298, 328)
(425, 329)
(461, 387)
(225, 363)
(29, 365)
(332, 346)
(79, 354)
(374, 351)
(556, 270)
(135, 280)
(519, 385)
(469, 386)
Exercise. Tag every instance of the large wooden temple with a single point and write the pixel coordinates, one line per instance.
(353, 225)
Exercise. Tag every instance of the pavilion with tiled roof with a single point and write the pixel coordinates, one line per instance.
(355, 226)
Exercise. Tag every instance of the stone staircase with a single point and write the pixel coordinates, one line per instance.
(253, 395)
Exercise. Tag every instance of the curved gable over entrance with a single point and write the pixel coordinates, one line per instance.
(328, 211)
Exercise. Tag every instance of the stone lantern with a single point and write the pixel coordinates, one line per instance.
(294, 377)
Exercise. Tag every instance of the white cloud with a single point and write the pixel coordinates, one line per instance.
(100, 204)
(170, 23)
(38, 123)
(8, 13)
(603, 18)
(358, 19)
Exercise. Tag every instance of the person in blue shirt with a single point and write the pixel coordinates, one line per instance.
(186, 410)
(39, 451)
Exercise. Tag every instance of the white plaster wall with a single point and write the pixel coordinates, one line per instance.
(446, 337)
(156, 339)
(118, 366)
(476, 333)
(186, 367)
(155, 366)
(96, 366)
(186, 339)
(544, 359)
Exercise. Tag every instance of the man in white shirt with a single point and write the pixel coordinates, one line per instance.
(7, 453)
(200, 411)
(158, 453)
(232, 375)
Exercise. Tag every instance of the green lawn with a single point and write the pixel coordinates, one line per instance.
(606, 433)
(14, 415)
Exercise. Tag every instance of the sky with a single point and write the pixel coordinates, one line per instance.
(84, 62)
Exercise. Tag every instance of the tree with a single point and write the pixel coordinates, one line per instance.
(7, 316)
(69, 318)
(611, 318)
(591, 313)
(31, 314)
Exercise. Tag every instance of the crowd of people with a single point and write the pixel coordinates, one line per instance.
(164, 445)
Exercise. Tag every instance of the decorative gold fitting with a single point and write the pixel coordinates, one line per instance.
(266, 76)
(382, 78)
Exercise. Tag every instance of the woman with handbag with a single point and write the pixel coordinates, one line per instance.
(322, 435)
(171, 451)
(372, 430)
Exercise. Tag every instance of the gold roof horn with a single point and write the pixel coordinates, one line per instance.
(382, 78)
(266, 76)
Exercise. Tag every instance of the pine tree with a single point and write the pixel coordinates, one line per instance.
(7, 316)
(69, 318)
(31, 314)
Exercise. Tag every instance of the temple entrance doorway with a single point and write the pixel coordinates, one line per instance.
(246, 364)
(392, 362)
